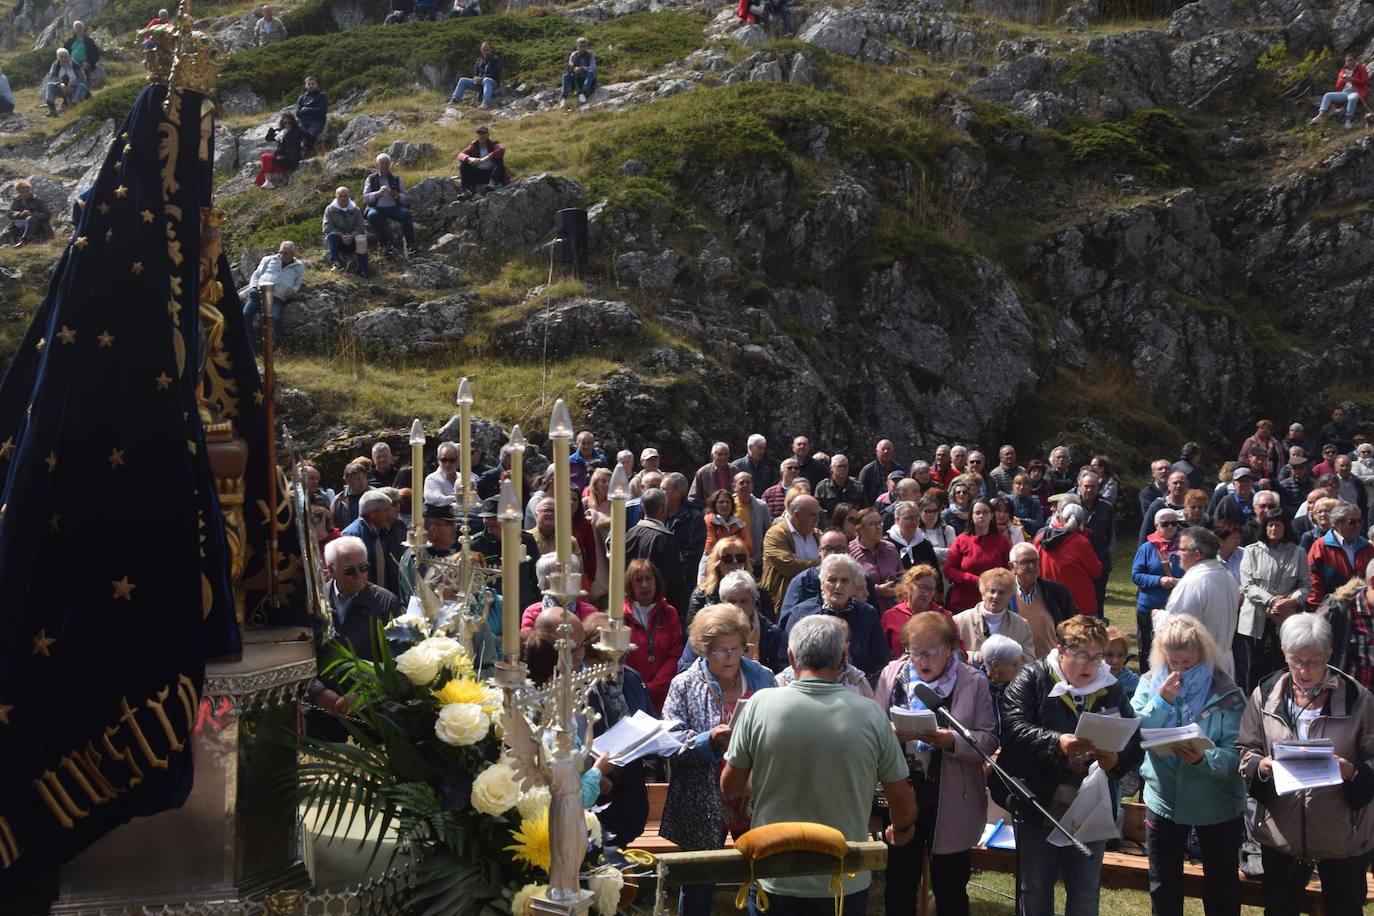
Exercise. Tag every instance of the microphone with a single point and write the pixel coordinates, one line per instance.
(936, 704)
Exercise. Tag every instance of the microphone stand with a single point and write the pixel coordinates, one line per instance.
(1020, 793)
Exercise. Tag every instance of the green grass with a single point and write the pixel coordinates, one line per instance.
(388, 59)
(1154, 143)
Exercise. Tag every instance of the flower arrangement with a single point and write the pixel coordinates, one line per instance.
(424, 755)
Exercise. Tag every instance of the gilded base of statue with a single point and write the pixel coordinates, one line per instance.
(234, 838)
(578, 904)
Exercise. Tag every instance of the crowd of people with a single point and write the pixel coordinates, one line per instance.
(986, 585)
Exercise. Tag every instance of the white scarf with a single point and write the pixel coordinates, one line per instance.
(994, 622)
(1061, 686)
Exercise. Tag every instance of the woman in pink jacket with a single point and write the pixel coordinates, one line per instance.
(944, 769)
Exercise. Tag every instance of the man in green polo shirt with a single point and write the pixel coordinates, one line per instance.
(815, 751)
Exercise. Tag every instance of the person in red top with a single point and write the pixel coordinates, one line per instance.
(655, 629)
(1067, 556)
(482, 162)
(942, 471)
(1352, 85)
(973, 553)
(916, 592)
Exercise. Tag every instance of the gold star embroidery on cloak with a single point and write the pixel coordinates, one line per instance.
(52, 461)
(147, 216)
(106, 339)
(54, 522)
(80, 242)
(116, 458)
(104, 208)
(257, 397)
(5, 448)
(162, 382)
(121, 192)
(42, 342)
(123, 588)
(67, 335)
(136, 267)
(41, 643)
(5, 714)
(128, 148)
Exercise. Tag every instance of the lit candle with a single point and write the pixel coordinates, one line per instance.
(517, 462)
(417, 473)
(560, 438)
(464, 441)
(620, 495)
(511, 514)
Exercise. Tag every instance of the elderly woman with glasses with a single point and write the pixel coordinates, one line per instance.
(1189, 787)
(765, 637)
(839, 576)
(917, 591)
(938, 533)
(727, 556)
(878, 556)
(1040, 711)
(1155, 571)
(1330, 827)
(944, 769)
(703, 700)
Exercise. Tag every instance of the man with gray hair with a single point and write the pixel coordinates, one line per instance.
(372, 527)
(791, 546)
(841, 577)
(285, 274)
(385, 198)
(345, 230)
(685, 521)
(712, 476)
(755, 463)
(874, 475)
(385, 471)
(1207, 591)
(838, 488)
(651, 539)
(1339, 555)
(815, 733)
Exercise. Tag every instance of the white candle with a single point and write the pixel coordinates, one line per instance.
(464, 442)
(560, 438)
(620, 495)
(511, 514)
(517, 462)
(417, 473)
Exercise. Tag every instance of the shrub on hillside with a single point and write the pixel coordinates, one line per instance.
(390, 58)
(1153, 142)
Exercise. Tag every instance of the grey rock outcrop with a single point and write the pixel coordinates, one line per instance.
(412, 329)
(571, 328)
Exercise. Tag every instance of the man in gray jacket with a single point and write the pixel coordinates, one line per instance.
(285, 273)
(345, 230)
(385, 199)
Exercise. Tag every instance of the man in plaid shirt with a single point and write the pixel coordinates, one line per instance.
(1350, 611)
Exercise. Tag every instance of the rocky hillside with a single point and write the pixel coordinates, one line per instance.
(932, 222)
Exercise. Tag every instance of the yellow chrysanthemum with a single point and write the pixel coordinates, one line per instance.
(461, 690)
(532, 841)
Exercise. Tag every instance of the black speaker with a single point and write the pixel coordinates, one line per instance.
(570, 229)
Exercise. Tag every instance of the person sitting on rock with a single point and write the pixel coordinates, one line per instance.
(66, 82)
(284, 159)
(580, 77)
(385, 199)
(84, 50)
(749, 12)
(486, 77)
(163, 17)
(1352, 85)
(401, 10)
(465, 8)
(286, 273)
(345, 230)
(482, 163)
(30, 217)
(6, 96)
(312, 112)
(269, 28)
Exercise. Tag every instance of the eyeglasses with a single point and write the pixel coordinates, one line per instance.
(734, 558)
(1306, 664)
(354, 570)
(928, 655)
(734, 652)
(1084, 658)
(1168, 524)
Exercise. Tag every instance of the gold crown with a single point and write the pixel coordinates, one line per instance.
(180, 57)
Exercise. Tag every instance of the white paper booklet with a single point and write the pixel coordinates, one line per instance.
(1108, 733)
(914, 721)
(1300, 765)
(1165, 740)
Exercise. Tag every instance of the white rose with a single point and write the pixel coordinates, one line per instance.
(533, 802)
(606, 885)
(418, 664)
(461, 724)
(408, 620)
(593, 828)
(494, 790)
(520, 906)
(444, 649)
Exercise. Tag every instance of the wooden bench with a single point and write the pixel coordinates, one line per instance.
(1123, 870)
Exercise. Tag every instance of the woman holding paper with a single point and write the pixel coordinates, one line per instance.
(1187, 787)
(1330, 826)
(944, 769)
(1040, 713)
(703, 699)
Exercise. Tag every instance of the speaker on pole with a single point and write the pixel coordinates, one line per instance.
(570, 229)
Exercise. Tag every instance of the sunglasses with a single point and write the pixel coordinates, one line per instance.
(354, 570)
(1168, 524)
(734, 558)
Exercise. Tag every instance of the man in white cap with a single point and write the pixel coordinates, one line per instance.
(648, 461)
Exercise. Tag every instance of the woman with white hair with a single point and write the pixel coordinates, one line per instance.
(1003, 659)
(839, 576)
(1328, 828)
(66, 82)
(1190, 787)
(1067, 556)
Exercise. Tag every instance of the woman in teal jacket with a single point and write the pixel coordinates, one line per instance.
(1186, 787)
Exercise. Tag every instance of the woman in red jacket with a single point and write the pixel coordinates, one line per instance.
(1067, 556)
(973, 553)
(655, 629)
(1352, 85)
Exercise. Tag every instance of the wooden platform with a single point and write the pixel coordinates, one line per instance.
(1127, 870)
